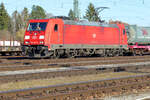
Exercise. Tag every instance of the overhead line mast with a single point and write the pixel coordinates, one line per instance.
(76, 9)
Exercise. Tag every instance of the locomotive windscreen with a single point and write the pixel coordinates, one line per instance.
(41, 26)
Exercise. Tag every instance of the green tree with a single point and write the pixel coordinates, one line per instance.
(92, 13)
(49, 15)
(25, 17)
(37, 13)
(14, 20)
(4, 18)
(18, 23)
(71, 15)
(10, 25)
(20, 35)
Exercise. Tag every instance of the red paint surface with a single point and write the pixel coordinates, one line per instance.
(34, 35)
(77, 34)
(139, 47)
(94, 35)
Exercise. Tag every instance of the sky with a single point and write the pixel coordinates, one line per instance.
(130, 11)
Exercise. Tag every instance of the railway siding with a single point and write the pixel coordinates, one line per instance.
(100, 67)
(26, 64)
(68, 70)
(63, 80)
(13, 76)
(82, 90)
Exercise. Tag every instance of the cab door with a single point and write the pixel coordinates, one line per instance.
(123, 35)
(57, 34)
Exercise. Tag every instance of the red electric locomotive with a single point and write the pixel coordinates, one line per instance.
(56, 37)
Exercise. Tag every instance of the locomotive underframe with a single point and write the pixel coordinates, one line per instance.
(35, 50)
(10, 50)
(58, 51)
(139, 51)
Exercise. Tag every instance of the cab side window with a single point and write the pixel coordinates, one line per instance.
(127, 30)
(56, 27)
(124, 31)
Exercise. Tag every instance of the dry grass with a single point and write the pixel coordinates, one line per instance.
(60, 80)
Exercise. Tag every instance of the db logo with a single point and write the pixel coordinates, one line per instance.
(94, 35)
(34, 37)
(144, 32)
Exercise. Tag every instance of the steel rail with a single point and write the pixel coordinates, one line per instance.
(80, 89)
(11, 76)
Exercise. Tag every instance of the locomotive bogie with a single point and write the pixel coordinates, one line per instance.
(35, 51)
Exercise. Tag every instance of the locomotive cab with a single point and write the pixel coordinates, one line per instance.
(40, 35)
(34, 39)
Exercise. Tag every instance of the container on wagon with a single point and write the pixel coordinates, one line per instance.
(138, 34)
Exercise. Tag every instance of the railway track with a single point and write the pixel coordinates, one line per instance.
(82, 90)
(13, 76)
(19, 60)
(52, 68)
(25, 65)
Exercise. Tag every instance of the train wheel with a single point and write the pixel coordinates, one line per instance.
(121, 52)
(109, 53)
(116, 54)
(31, 54)
(71, 54)
(56, 54)
(3, 54)
(141, 52)
(137, 53)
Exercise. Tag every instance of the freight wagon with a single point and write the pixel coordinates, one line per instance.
(138, 39)
(10, 47)
(57, 37)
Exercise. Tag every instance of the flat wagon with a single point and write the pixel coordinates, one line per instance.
(10, 47)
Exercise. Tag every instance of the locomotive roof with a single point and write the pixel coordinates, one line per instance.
(87, 23)
(38, 20)
(71, 22)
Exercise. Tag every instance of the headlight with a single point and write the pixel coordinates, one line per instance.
(27, 37)
(41, 42)
(26, 42)
(41, 37)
